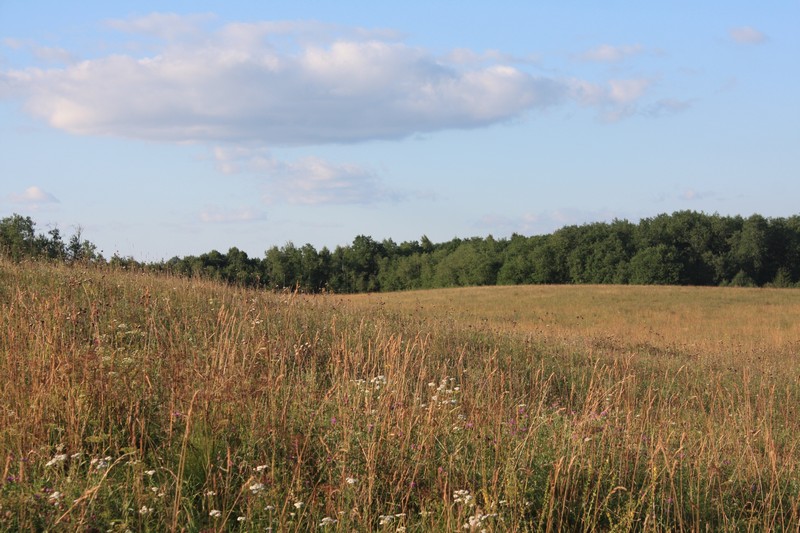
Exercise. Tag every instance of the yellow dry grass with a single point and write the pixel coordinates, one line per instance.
(152, 403)
(706, 321)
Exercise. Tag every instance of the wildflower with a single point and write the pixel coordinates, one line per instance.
(261, 468)
(145, 510)
(351, 481)
(211, 493)
(476, 521)
(298, 505)
(100, 463)
(55, 497)
(150, 472)
(76, 455)
(240, 519)
(255, 488)
(462, 496)
(215, 513)
(385, 519)
(60, 458)
(327, 521)
(269, 508)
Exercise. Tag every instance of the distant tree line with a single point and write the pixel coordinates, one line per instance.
(19, 240)
(684, 248)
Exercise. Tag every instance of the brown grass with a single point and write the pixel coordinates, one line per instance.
(150, 403)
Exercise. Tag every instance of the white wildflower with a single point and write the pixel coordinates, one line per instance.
(351, 481)
(145, 510)
(462, 496)
(60, 458)
(298, 505)
(215, 513)
(100, 463)
(385, 519)
(255, 488)
(327, 521)
(150, 472)
(261, 468)
(55, 497)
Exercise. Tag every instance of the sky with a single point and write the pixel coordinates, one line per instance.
(166, 129)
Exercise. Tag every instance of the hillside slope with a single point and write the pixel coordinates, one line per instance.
(149, 403)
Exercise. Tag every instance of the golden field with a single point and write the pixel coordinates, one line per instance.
(144, 403)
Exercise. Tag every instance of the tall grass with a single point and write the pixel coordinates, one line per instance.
(132, 402)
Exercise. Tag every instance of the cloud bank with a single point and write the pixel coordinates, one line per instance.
(272, 83)
(288, 84)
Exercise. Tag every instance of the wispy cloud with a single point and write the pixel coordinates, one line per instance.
(747, 35)
(308, 180)
(616, 99)
(686, 194)
(667, 106)
(691, 194)
(46, 54)
(33, 197)
(606, 53)
(465, 56)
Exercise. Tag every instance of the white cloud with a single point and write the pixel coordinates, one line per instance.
(33, 196)
(309, 180)
(623, 92)
(276, 84)
(314, 181)
(606, 53)
(747, 35)
(616, 99)
(627, 91)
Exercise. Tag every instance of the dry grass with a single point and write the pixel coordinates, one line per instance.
(711, 320)
(148, 404)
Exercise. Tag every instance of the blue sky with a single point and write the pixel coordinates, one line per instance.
(175, 128)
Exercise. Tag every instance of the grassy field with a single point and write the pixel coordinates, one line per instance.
(141, 403)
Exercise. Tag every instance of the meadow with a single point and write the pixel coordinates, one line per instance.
(136, 402)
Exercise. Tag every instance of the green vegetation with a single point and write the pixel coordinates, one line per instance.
(684, 248)
(138, 402)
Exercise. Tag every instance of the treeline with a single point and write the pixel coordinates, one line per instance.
(19, 240)
(684, 248)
